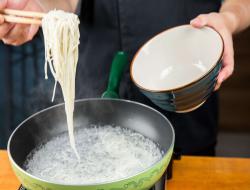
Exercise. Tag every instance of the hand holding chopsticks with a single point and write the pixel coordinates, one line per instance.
(22, 17)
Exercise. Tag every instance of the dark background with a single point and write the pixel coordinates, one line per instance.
(234, 136)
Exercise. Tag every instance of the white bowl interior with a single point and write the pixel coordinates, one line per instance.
(176, 57)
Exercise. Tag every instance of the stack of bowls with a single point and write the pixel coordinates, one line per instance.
(178, 68)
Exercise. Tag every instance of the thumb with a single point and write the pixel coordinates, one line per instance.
(3, 4)
(16, 4)
(199, 21)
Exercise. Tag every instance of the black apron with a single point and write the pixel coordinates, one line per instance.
(109, 26)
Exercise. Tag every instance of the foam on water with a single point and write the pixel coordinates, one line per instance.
(107, 153)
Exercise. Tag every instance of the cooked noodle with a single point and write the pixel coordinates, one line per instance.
(61, 40)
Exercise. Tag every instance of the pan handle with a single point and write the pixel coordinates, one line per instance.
(117, 68)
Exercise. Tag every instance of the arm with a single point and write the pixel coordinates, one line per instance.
(17, 34)
(238, 11)
(233, 17)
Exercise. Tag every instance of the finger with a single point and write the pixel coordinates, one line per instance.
(7, 41)
(199, 21)
(19, 33)
(27, 35)
(228, 62)
(4, 29)
(225, 73)
(217, 86)
(11, 42)
(228, 58)
(17, 43)
(32, 31)
(3, 4)
(1, 19)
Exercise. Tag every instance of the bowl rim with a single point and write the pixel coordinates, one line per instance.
(183, 86)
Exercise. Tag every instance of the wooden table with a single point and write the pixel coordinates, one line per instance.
(205, 173)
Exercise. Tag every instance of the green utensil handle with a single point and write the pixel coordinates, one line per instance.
(117, 68)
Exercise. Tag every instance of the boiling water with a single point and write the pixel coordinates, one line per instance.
(107, 153)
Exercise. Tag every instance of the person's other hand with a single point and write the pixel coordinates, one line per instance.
(17, 34)
(222, 23)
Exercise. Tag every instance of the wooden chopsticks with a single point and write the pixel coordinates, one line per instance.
(22, 17)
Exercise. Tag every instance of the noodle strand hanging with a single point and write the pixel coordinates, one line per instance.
(61, 40)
